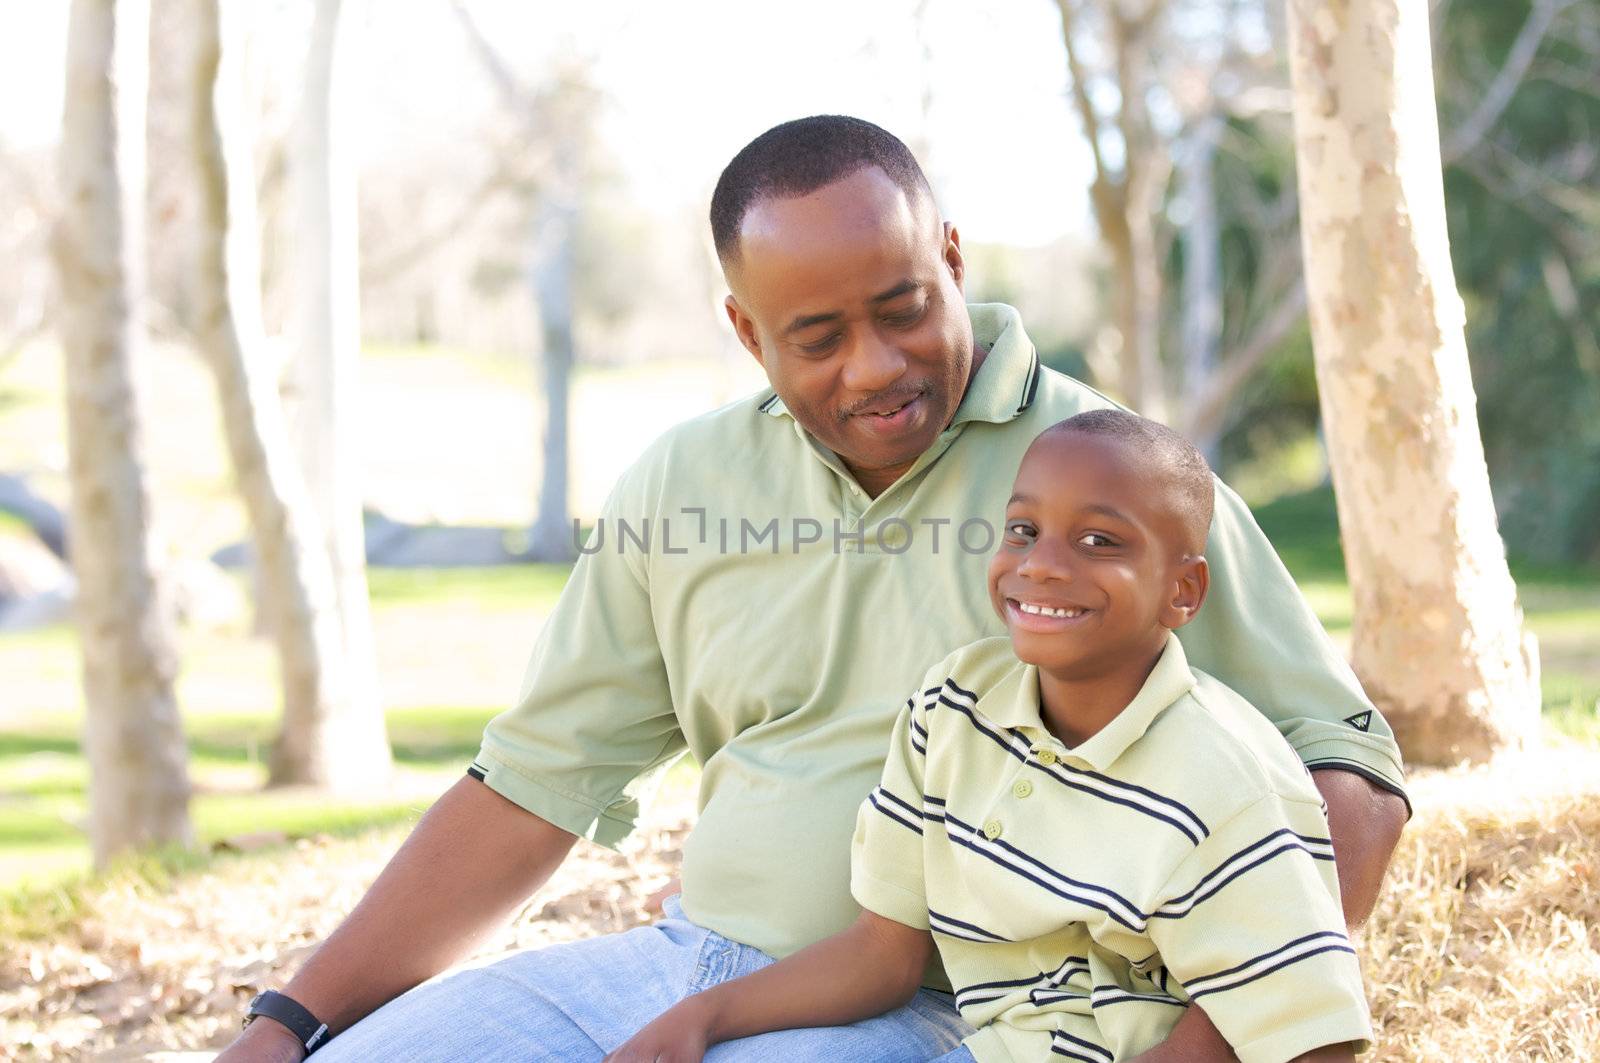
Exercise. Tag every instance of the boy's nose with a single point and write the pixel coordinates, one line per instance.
(1047, 560)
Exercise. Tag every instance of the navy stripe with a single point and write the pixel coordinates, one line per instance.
(1286, 847)
(1057, 771)
(1285, 947)
(1081, 1043)
(1271, 970)
(1032, 385)
(1042, 884)
(1060, 1051)
(976, 929)
(1018, 983)
(1008, 847)
(765, 406)
(903, 804)
(872, 798)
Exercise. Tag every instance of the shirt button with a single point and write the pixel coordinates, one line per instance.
(991, 829)
(1047, 756)
(1022, 787)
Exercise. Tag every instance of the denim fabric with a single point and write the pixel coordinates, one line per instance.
(581, 1000)
(961, 1055)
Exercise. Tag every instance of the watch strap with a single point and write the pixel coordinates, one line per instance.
(293, 1015)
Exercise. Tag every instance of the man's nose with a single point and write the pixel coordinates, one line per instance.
(873, 364)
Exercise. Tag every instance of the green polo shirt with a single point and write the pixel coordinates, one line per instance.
(747, 601)
(1082, 897)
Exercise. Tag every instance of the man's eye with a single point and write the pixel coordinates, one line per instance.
(1096, 539)
(904, 318)
(821, 346)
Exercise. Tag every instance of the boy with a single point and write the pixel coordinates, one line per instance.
(1094, 835)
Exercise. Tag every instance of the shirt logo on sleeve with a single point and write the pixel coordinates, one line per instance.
(1361, 721)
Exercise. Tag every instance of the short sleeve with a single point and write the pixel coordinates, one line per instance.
(886, 872)
(1258, 635)
(1252, 928)
(594, 716)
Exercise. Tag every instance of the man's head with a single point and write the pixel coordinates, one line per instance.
(1104, 536)
(846, 287)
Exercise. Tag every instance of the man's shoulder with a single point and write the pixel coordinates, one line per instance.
(1060, 396)
(738, 433)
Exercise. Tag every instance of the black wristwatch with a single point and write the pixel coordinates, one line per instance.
(313, 1032)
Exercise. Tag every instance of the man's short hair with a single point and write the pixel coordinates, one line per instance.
(799, 157)
(1168, 454)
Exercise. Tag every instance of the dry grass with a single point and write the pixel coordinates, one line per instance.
(1486, 942)
(1485, 945)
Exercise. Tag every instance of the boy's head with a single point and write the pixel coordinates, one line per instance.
(1103, 541)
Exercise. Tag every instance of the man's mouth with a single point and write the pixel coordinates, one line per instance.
(892, 416)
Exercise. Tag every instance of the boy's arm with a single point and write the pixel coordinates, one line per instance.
(873, 966)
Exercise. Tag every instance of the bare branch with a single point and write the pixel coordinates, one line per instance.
(1237, 367)
(1494, 102)
(1080, 92)
(512, 91)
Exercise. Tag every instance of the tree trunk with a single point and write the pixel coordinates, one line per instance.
(138, 778)
(1438, 637)
(1201, 329)
(551, 538)
(289, 546)
(325, 381)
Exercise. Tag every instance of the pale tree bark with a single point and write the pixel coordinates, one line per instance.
(326, 741)
(324, 376)
(138, 779)
(1201, 327)
(552, 538)
(1438, 637)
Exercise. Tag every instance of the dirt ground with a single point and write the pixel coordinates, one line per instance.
(1485, 945)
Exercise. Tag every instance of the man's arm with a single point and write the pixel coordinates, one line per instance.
(871, 967)
(422, 914)
(1364, 821)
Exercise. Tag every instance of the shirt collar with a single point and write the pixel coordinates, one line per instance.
(1014, 702)
(1005, 383)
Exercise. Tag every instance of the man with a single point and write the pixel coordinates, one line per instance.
(767, 583)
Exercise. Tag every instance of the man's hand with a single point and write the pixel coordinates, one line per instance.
(421, 915)
(681, 1034)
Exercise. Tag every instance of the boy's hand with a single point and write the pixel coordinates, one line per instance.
(681, 1034)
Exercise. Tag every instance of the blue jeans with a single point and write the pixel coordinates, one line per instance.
(580, 1001)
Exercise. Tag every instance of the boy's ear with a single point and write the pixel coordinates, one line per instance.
(1189, 593)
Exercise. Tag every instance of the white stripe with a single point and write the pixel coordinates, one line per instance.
(1284, 844)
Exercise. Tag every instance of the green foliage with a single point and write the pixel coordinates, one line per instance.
(1522, 214)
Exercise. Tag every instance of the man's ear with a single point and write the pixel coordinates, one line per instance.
(952, 257)
(744, 326)
(1189, 593)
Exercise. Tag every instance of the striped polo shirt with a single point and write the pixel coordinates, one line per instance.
(1082, 897)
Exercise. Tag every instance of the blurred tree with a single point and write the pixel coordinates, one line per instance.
(1164, 89)
(323, 382)
(330, 735)
(1518, 91)
(1438, 636)
(139, 784)
(558, 122)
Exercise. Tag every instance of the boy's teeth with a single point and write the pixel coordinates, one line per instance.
(1045, 610)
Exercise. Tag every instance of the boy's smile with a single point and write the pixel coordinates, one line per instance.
(1097, 563)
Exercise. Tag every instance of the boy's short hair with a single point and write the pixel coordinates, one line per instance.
(1193, 489)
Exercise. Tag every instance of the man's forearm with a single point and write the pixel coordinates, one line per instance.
(1364, 821)
(470, 861)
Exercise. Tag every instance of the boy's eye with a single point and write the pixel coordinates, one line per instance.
(1096, 539)
(1020, 529)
